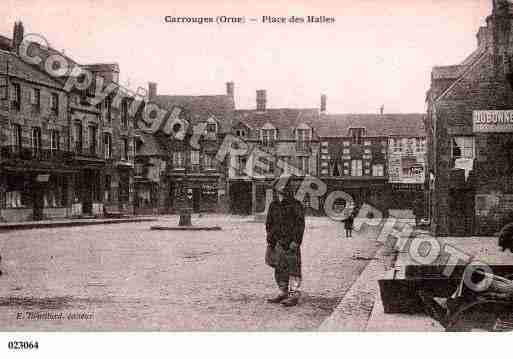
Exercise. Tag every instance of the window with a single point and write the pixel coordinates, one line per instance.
(124, 112)
(463, 147)
(241, 165)
(303, 138)
(396, 145)
(208, 159)
(3, 88)
(241, 133)
(107, 145)
(106, 189)
(357, 134)
(99, 107)
(124, 149)
(178, 160)
(303, 135)
(35, 99)
(78, 136)
(268, 137)
(16, 136)
(346, 143)
(303, 165)
(36, 140)
(378, 170)
(16, 97)
(93, 140)
(346, 151)
(195, 158)
(55, 140)
(108, 107)
(211, 127)
(356, 168)
(54, 103)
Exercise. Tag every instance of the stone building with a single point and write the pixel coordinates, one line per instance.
(193, 177)
(287, 142)
(63, 155)
(376, 158)
(470, 134)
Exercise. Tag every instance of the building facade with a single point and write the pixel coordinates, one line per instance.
(363, 155)
(62, 154)
(193, 177)
(470, 135)
(280, 142)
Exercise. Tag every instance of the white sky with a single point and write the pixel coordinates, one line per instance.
(377, 52)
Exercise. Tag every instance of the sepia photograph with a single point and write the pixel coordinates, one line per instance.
(280, 166)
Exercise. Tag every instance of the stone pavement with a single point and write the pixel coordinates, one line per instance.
(131, 278)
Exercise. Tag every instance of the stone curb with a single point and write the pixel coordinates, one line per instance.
(353, 311)
(6, 227)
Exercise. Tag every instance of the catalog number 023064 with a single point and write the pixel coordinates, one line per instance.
(22, 345)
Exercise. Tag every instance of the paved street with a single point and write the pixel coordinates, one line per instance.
(131, 278)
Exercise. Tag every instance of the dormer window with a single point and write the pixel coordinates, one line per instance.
(357, 134)
(241, 133)
(211, 126)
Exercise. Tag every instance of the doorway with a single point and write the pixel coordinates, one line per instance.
(196, 200)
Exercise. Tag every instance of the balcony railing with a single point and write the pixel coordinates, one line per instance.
(36, 154)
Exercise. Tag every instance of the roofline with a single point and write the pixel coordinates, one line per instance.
(469, 68)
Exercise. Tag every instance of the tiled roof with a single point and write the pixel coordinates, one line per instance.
(201, 108)
(375, 125)
(19, 68)
(279, 118)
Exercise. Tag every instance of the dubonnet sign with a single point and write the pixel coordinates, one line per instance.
(493, 121)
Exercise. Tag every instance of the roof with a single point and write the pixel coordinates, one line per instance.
(201, 108)
(338, 125)
(25, 71)
(279, 118)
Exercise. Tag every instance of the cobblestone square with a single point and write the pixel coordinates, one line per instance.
(131, 278)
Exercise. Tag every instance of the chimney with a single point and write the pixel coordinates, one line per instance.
(230, 89)
(261, 100)
(17, 36)
(152, 90)
(382, 110)
(483, 38)
(323, 103)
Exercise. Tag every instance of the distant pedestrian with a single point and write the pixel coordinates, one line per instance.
(285, 227)
(349, 224)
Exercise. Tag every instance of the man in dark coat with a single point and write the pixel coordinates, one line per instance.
(285, 226)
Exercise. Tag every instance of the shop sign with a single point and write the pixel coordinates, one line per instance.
(43, 178)
(209, 189)
(493, 121)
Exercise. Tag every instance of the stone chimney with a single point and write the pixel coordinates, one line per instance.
(323, 103)
(152, 90)
(17, 36)
(230, 89)
(261, 100)
(483, 37)
(382, 110)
